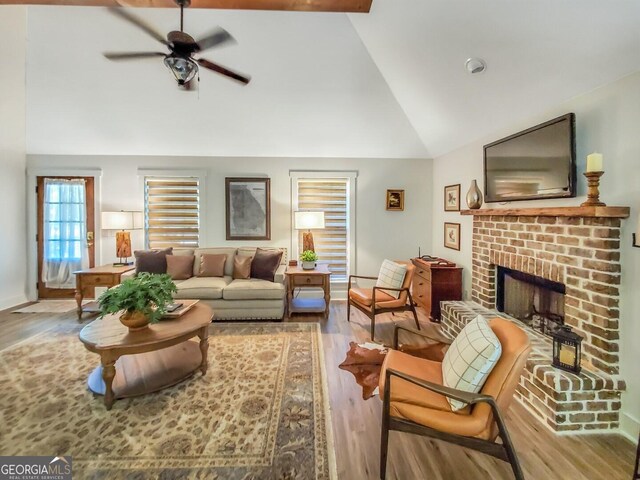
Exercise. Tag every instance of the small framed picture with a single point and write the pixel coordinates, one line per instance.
(452, 235)
(452, 198)
(395, 200)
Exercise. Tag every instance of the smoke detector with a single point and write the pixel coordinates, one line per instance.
(475, 65)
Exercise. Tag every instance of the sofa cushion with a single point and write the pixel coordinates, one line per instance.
(152, 261)
(212, 265)
(253, 289)
(183, 251)
(180, 267)
(265, 263)
(391, 275)
(241, 267)
(470, 359)
(251, 252)
(230, 252)
(209, 288)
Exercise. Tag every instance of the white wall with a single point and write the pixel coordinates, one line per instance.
(379, 234)
(13, 25)
(607, 121)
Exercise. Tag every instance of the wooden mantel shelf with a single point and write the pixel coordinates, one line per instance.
(600, 212)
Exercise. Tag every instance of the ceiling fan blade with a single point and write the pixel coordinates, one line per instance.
(215, 38)
(222, 70)
(138, 22)
(132, 55)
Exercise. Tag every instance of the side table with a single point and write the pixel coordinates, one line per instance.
(104, 276)
(319, 277)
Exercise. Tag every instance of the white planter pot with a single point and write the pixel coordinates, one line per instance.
(308, 265)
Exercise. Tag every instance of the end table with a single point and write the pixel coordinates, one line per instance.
(104, 276)
(319, 277)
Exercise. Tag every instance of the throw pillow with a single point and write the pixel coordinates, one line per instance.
(212, 265)
(180, 267)
(470, 359)
(391, 275)
(152, 261)
(241, 267)
(265, 263)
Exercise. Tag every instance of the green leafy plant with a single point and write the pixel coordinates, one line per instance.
(309, 256)
(146, 293)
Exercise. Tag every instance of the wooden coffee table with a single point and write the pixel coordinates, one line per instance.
(135, 363)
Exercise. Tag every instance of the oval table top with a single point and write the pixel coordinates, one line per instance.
(109, 333)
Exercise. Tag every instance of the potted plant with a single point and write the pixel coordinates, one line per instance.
(142, 299)
(309, 259)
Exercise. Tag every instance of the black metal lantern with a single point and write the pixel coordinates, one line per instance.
(566, 349)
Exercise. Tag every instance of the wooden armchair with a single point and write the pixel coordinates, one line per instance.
(374, 301)
(415, 399)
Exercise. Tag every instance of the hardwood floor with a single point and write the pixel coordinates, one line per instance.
(356, 422)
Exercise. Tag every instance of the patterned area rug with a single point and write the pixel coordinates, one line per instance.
(260, 412)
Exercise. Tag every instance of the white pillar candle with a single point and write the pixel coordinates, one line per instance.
(594, 162)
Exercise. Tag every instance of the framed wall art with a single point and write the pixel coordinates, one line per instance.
(452, 235)
(395, 200)
(248, 208)
(452, 198)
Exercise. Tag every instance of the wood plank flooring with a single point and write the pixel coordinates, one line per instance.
(356, 422)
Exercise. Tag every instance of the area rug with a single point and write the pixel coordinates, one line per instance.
(49, 306)
(260, 412)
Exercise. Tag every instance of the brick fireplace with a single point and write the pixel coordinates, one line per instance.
(579, 249)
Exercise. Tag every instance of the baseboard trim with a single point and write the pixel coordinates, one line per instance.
(6, 303)
(629, 427)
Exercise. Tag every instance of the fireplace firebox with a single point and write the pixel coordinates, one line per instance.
(535, 301)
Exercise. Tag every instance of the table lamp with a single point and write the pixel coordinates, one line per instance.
(123, 221)
(308, 221)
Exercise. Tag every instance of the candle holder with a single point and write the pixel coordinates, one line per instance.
(593, 195)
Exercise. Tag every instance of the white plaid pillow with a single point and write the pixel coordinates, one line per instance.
(470, 359)
(391, 275)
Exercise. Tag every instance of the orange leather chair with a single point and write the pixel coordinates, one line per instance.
(373, 301)
(415, 400)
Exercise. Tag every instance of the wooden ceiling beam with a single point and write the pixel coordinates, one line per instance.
(356, 6)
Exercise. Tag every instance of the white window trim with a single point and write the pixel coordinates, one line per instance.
(201, 175)
(352, 176)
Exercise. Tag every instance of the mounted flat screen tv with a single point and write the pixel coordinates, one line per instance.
(537, 163)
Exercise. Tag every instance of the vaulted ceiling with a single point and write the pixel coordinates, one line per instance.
(390, 83)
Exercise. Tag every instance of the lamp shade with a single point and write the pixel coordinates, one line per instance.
(123, 220)
(308, 220)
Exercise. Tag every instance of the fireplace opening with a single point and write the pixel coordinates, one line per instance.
(535, 301)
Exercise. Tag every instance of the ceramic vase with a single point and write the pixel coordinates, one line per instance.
(474, 196)
(308, 265)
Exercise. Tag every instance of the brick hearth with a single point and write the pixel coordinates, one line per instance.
(582, 252)
(563, 401)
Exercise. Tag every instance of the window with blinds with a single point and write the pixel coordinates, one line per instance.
(331, 196)
(172, 212)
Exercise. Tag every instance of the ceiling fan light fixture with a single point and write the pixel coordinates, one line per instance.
(184, 69)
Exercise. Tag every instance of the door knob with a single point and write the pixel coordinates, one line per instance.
(89, 239)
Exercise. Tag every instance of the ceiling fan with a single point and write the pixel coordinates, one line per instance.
(182, 48)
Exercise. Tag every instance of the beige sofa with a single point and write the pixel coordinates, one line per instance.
(250, 299)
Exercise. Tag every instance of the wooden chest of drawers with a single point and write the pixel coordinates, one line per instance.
(435, 281)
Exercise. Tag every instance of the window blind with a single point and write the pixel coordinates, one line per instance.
(172, 212)
(328, 195)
